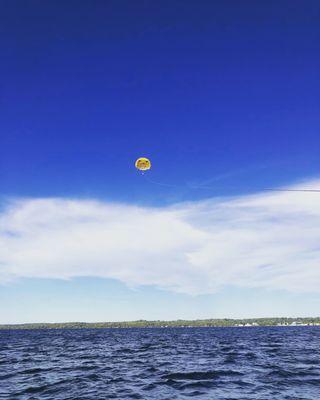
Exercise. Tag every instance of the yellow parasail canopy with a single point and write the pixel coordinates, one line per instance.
(143, 164)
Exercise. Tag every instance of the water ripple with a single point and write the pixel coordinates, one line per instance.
(161, 364)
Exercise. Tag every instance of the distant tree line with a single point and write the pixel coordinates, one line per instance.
(170, 324)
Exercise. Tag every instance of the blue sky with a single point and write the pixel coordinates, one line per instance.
(224, 99)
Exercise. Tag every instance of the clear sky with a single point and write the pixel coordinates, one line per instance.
(223, 96)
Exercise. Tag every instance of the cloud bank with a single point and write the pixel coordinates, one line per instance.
(269, 240)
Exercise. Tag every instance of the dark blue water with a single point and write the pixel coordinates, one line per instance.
(209, 363)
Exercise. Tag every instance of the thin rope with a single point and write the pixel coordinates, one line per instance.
(157, 183)
(294, 190)
(190, 186)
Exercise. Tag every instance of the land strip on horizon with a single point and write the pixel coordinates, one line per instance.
(247, 322)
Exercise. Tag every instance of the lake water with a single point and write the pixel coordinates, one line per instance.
(175, 363)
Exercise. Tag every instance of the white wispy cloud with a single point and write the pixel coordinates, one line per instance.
(269, 240)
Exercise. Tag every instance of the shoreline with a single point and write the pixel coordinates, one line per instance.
(204, 323)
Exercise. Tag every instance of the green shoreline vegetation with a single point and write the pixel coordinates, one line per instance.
(251, 322)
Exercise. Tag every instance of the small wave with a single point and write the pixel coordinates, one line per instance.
(288, 374)
(135, 396)
(195, 393)
(32, 371)
(250, 356)
(34, 389)
(201, 375)
(92, 377)
(199, 385)
(149, 387)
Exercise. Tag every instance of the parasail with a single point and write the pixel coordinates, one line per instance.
(143, 164)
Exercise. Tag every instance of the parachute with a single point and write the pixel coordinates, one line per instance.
(143, 164)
